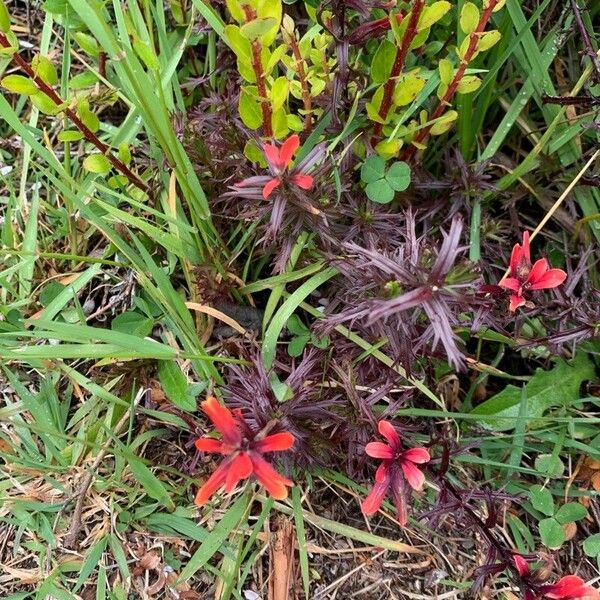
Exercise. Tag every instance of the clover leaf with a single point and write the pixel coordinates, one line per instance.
(382, 183)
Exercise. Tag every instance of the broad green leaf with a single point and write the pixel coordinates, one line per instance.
(488, 40)
(249, 107)
(279, 92)
(552, 534)
(372, 169)
(591, 545)
(380, 191)
(297, 344)
(570, 512)
(257, 28)
(133, 323)
(88, 117)
(381, 66)
(549, 465)
(238, 43)
(545, 390)
(541, 499)
(18, 84)
(175, 385)
(444, 123)
(469, 18)
(83, 80)
(398, 176)
(97, 163)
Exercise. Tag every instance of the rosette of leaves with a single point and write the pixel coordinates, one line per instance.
(382, 182)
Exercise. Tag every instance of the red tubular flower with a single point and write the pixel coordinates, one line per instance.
(569, 587)
(524, 277)
(279, 160)
(397, 470)
(244, 454)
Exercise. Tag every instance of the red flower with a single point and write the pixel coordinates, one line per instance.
(244, 454)
(279, 159)
(569, 587)
(398, 468)
(524, 277)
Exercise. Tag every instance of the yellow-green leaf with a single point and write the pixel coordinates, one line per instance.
(279, 92)
(446, 69)
(44, 69)
(468, 84)
(89, 119)
(235, 8)
(124, 153)
(433, 13)
(88, 44)
(238, 43)
(469, 18)
(444, 123)
(96, 163)
(145, 52)
(45, 105)
(279, 123)
(407, 89)
(4, 18)
(294, 122)
(488, 39)
(18, 84)
(388, 148)
(383, 60)
(70, 135)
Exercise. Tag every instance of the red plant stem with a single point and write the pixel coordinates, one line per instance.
(306, 99)
(89, 135)
(401, 53)
(464, 63)
(265, 105)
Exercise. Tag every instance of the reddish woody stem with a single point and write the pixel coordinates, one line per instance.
(89, 135)
(464, 63)
(401, 53)
(306, 99)
(265, 105)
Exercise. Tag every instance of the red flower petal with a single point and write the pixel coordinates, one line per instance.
(515, 259)
(239, 468)
(288, 149)
(550, 279)
(214, 482)
(537, 271)
(400, 504)
(272, 155)
(386, 429)
(417, 455)
(275, 443)
(515, 302)
(379, 450)
(414, 475)
(270, 186)
(521, 564)
(372, 503)
(269, 478)
(210, 445)
(382, 473)
(525, 250)
(223, 420)
(570, 587)
(510, 283)
(303, 181)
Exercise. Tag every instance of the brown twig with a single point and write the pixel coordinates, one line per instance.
(453, 86)
(587, 42)
(89, 135)
(306, 98)
(401, 53)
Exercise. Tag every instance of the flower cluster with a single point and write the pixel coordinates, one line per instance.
(524, 277)
(397, 473)
(243, 451)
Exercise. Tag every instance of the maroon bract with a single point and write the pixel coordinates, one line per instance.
(279, 159)
(244, 454)
(569, 587)
(396, 471)
(524, 277)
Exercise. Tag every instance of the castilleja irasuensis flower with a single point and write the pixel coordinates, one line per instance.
(524, 277)
(279, 160)
(569, 587)
(243, 450)
(397, 473)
